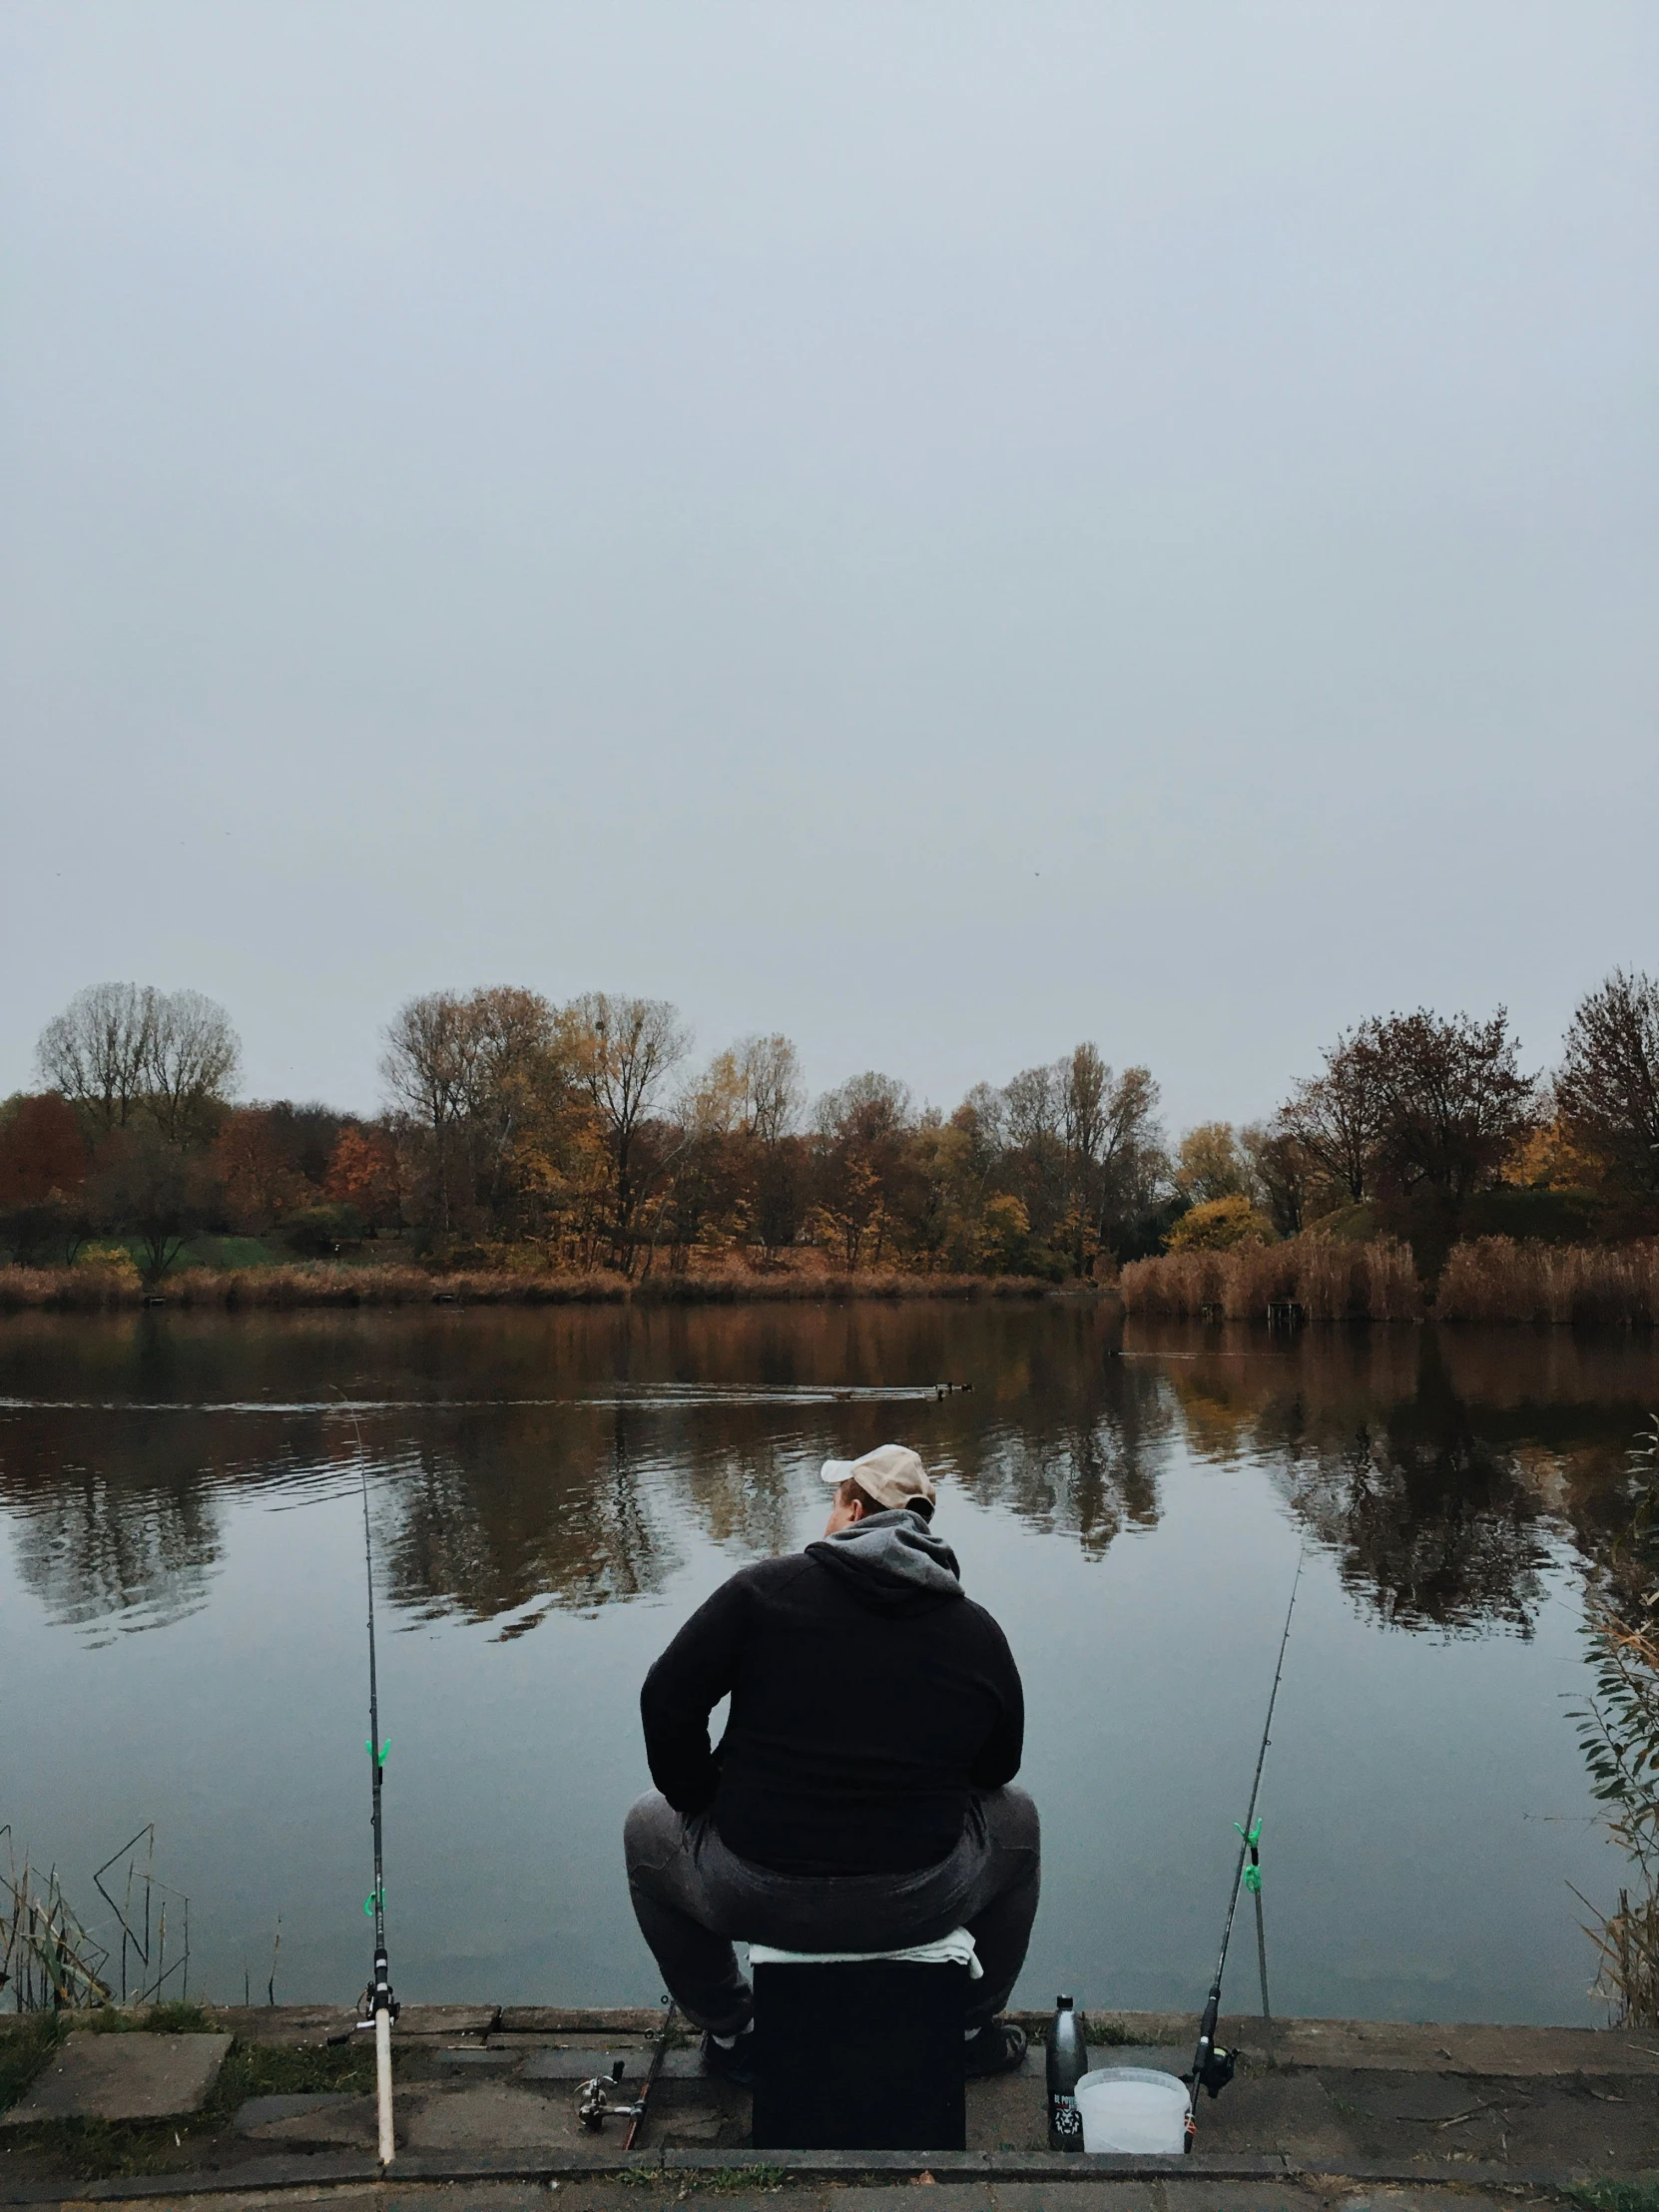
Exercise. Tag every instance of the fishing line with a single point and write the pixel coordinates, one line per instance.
(1213, 2068)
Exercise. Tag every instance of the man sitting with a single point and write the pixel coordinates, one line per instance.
(859, 1798)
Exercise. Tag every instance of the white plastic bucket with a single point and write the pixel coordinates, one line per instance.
(1133, 2109)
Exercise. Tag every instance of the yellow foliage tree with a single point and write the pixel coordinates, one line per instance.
(1219, 1226)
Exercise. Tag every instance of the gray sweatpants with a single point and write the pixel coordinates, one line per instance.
(692, 1897)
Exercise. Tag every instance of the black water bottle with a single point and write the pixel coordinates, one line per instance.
(1069, 2062)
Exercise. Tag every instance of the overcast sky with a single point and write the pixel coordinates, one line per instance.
(943, 529)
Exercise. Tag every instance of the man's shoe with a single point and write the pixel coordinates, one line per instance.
(998, 2048)
(736, 2066)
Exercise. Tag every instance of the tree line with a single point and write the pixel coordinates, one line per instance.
(521, 1133)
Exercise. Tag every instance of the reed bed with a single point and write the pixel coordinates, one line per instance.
(1330, 1281)
(323, 1283)
(1495, 1279)
(1628, 1944)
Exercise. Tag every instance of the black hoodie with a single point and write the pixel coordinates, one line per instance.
(870, 1699)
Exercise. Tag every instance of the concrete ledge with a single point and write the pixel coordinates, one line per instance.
(1462, 2048)
(270, 2176)
(1350, 2044)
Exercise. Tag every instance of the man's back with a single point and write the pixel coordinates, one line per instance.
(870, 1700)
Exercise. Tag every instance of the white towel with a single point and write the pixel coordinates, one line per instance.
(954, 1949)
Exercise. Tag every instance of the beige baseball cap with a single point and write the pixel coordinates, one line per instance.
(893, 1474)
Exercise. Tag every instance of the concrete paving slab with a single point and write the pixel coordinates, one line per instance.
(257, 2113)
(1011, 2111)
(1411, 2098)
(447, 2019)
(1199, 2195)
(1290, 2114)
(701, 2115)
(136, 2076)
(1075, 2196)
(1535, 2053)
(478, 2054)
(641, 2193)
(336, 2123)
(489, 2196)
(346, 2197)
(574, 2196)
(491, 2115)
(943, 2196)
(582, 2065)
(1427, 2198)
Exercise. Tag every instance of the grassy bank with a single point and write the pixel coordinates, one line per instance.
(1487, 1279)
(325, 1282)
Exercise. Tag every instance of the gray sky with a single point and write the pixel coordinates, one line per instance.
(943, 529)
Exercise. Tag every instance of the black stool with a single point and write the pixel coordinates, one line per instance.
(859, 2055)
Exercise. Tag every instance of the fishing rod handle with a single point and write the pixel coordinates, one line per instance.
(383, 2085)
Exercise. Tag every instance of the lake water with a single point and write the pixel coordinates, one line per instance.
(181, 1624)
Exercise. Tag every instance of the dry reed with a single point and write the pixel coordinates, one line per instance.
(1494, 1279)
(1628, 1941)
(324, 1283)
(1331, 1280)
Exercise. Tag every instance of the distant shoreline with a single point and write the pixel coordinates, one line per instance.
(320, 1284)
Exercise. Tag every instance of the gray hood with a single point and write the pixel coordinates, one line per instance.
(893, 1563)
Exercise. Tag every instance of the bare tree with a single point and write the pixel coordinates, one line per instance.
(623, 1051)
(97, 1051)
(1337, 1117)
(472, 1071)
(1082, 1082)
(1279, 1173)
(192, 1061)
(773, 1098)
(1608, 1086)
(1081, 1148)
(773, 1091)
(122, 1051)
(516, 1081)
(1035, 1163)
(429, 1068)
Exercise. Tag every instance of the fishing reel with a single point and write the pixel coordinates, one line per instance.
(378, 1998)
(592, 2100)
(1218, 2069)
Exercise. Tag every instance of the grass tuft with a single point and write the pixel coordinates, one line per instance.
(177, 2017)
(1640, 2195)
(27, 2041)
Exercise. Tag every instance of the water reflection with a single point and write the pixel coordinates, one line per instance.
(521, 1513)
(512, 1479)
(1444, 1471)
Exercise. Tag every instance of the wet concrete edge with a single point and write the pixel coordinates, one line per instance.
(321, 2172)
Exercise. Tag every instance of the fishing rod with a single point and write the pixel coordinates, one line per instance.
(380, 2007)
(593, 2098)
(1213, 2068)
